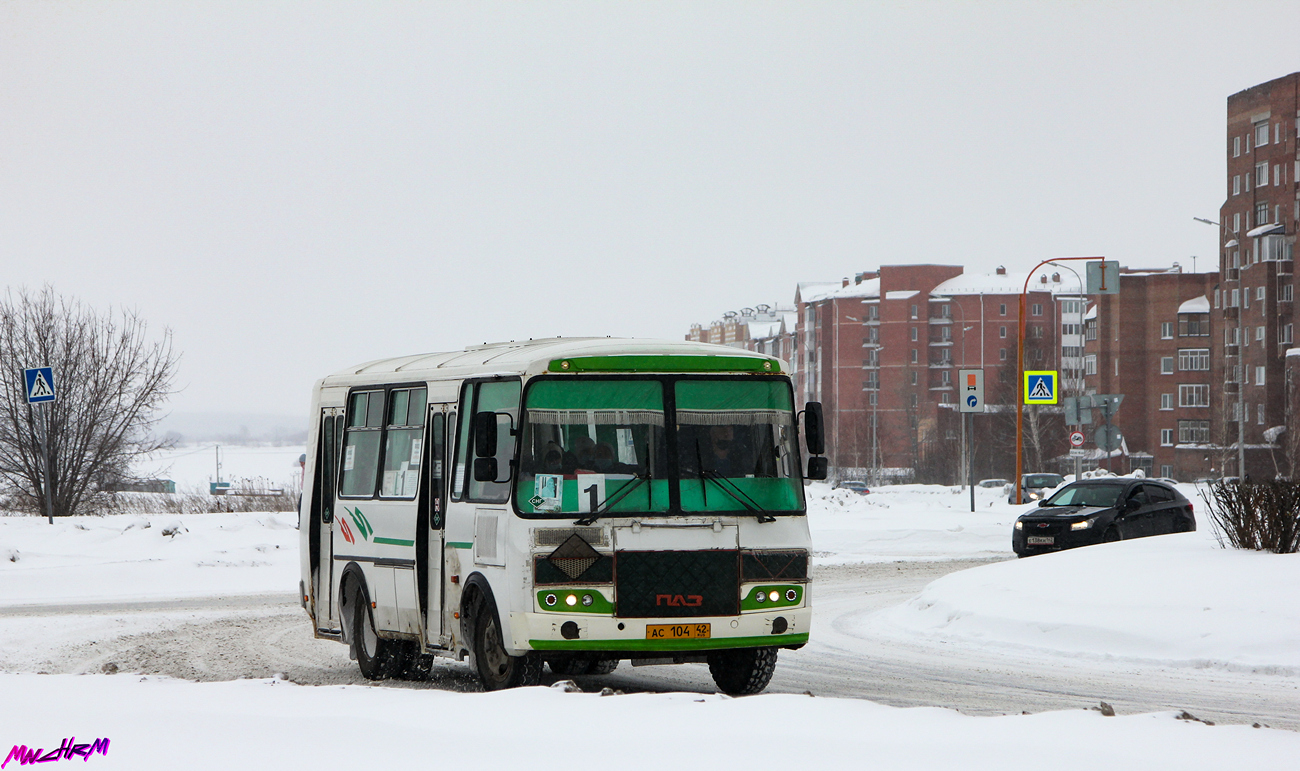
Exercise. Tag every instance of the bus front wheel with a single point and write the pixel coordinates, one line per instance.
(742, 672)
(375, 656)
(496, 668)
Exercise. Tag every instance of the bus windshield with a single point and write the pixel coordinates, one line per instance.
(601, 446)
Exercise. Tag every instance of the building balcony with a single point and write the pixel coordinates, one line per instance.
(940, 342)
(942, 387)
(1230, 313)
(941, 320)
(1232, 350)
(940, 364)
(1233, 274)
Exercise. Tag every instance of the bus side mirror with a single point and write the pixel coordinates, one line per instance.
(485, 439)
(813, 425)
(485, 469)
(817, 467)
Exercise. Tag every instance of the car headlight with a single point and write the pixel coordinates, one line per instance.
(1035, 496)
(1084, 525)
(1020, 525)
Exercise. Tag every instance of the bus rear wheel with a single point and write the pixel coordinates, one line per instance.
(496, 668)
(742, 672)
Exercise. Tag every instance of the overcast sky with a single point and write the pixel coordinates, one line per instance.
(296, 187)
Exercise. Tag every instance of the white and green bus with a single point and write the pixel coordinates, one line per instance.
(568, 502)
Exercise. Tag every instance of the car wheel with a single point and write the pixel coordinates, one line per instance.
(1111, 535)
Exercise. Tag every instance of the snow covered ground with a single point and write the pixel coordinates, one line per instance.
(192, 467)
(1177, 600)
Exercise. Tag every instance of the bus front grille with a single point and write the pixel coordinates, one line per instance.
(677, 584)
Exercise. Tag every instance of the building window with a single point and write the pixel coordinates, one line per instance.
(1277, 175)
(1166, 365)
(1090, 329)
(1002, 332)
(1284, 334)
(1259, 376)
(1194, 359)
(1261, 174)
(914, 334)
(1166, 330)
(1117, 367)
(873, 335)
(1236, 147)
(1261, 213)
(1259, 293)
(1193, 396)
(1193, 431)
(1234, 298)
(1259, 413)
(1259, 334)
(1166, 437)
(945, 311)
(1002, 309)
(1090, 364)
(915, 356)
(1193, 325)
(913, 401)
(1236, 184)
(1236, 218)
(913, 311)
(1285, 293)
(1261, 133)
(1002, 354)
(912, 377)
(946, 377)
(871, 398)
(1166, 401)
(873, 312)
(1166, 470)
(943, 398)
(1036, 309)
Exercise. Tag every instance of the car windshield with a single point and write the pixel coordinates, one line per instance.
(1086, 495)
(1043, 480)
(597, 445)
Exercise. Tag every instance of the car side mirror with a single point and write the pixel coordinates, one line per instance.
(817, 466)
(485, 438)
(1043, 502)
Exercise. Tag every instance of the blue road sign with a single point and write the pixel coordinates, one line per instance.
(40, 384)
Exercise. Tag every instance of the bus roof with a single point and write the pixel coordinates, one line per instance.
(564, 354)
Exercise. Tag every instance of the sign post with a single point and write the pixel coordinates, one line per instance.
(40, 390)
(970, 402)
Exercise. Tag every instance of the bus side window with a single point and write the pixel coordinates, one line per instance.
(361, 444)
(501, 397)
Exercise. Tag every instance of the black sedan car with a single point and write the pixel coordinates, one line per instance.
(1099, 510)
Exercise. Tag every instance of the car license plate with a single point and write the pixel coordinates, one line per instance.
(1041, 540)
(676, 631)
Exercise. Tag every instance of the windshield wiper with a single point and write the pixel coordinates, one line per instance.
(623, 492)
(730, 488)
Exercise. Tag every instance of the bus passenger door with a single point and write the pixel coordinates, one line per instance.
(432, 518)
(322, 521)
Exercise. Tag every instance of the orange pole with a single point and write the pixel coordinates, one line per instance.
(1020, 367)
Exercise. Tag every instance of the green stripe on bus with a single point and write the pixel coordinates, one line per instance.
(394, 541)
(461, 544)
(712, 643)
(666, 363)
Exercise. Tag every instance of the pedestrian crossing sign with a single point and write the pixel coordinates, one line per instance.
(1040, 387)
(40, 384)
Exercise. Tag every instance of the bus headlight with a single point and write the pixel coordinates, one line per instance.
(571, 600)
(550, 600)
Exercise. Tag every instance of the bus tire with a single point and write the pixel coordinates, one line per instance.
(570, 666)
(498, 670)
(376, 657)
(413, 665)
(602, 666)
(744, 671)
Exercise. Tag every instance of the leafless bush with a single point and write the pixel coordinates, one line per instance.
(1264, 516)
(197, 503)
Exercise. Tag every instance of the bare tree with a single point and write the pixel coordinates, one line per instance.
(111, 381)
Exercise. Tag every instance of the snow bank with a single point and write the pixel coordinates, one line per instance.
(160, 723)
(92, 559)
(1177, 600)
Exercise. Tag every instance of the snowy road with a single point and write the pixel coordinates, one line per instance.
(212, 639)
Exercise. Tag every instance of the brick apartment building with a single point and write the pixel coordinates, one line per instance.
(1254, 302)
(1152, 342)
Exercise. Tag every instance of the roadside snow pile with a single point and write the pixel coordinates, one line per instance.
(90, 559)
(909, 522)
(1175, 600)
(151, 722)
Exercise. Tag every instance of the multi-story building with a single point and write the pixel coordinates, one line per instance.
(1151, 343)
(1254, 302)
(763, 328)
